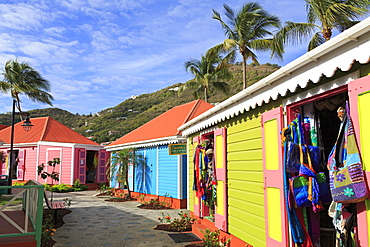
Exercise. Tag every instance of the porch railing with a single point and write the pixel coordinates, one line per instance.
(32, 205)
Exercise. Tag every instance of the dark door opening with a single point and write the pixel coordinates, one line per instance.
(92, 160)
(14, 163)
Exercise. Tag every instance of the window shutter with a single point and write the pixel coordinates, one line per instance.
(82, 166)
(102, 178)
(274, 196)
(359, 101)
(221, 177)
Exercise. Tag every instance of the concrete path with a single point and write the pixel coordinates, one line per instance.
(96, 222)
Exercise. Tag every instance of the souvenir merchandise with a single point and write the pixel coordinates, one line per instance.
(347, 183)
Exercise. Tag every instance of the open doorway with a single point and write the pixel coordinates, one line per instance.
(205, 175)
(14, 163)
(92, 158)
(321, 114)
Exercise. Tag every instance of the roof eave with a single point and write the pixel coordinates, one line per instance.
(145, 143)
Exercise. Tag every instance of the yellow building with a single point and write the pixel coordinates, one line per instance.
(245, 193)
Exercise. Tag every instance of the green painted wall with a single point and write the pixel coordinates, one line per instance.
(245, 181)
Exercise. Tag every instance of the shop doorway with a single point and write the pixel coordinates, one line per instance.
(322, 114)
(92, 160)
(205, 176)
(14, 163)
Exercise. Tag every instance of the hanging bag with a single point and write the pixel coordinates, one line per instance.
(347, 182)
(309, 188)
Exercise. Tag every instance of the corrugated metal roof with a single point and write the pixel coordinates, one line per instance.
(2, 126)
(339, 53)
(164, 125)
(44, 129)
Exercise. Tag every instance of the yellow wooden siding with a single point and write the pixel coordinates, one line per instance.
(191, 175)
(245, 181)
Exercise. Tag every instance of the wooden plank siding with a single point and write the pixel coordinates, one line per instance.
(65, 162)
(245, 181)
(191, 193)
(167, 173)
(30, 160)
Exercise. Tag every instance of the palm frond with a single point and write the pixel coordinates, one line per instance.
(315, 41)
(294, 33)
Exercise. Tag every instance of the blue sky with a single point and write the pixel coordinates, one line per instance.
(98, 53)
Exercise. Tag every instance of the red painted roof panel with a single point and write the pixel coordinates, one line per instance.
(165, 125)
(44, 129)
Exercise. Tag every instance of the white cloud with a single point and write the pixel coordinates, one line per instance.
(98, 53)
(21, 16)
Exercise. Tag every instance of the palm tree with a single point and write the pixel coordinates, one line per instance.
(118, 165)
(209, 72)
(21, 78)
(323, 16)
(246, 32)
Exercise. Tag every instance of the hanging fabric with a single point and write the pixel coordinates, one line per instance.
(347, 182)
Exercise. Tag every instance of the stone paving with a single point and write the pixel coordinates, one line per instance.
(96, 222)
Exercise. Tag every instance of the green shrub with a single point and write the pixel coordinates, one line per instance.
(61, 188)
(77, 186)
(18, 184)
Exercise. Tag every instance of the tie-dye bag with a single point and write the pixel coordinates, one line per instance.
(347, 182)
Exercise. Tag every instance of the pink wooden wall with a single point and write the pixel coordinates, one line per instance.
(47, 153)
(34, 157)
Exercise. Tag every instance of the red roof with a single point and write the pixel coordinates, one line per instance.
(165, 125)
(44, 129)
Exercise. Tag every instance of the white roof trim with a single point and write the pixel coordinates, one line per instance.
(147, 143)
(72, 145)
(30, 144)
(325, 60)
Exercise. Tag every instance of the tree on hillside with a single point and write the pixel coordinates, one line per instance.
(323, 16)
(248, 30)
(119, 163)
(21, 78)
(211, 71)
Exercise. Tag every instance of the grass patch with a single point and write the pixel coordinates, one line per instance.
(3, 201)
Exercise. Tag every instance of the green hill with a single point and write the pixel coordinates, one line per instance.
(112, 123)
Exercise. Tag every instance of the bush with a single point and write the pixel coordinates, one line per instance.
(77, 186)
(61, 188)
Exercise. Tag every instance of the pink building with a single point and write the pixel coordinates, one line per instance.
(80, 157)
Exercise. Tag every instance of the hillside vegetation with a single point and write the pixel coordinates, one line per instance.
(112, 123)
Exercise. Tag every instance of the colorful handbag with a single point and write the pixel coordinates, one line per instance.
(347, 182)
(309, 188)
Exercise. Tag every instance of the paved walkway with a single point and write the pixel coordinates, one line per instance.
(96, 222)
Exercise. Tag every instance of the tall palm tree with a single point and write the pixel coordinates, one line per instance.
(247, 31)
(323, 16)
(118, 165)
(21, 78)
(209, 72)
